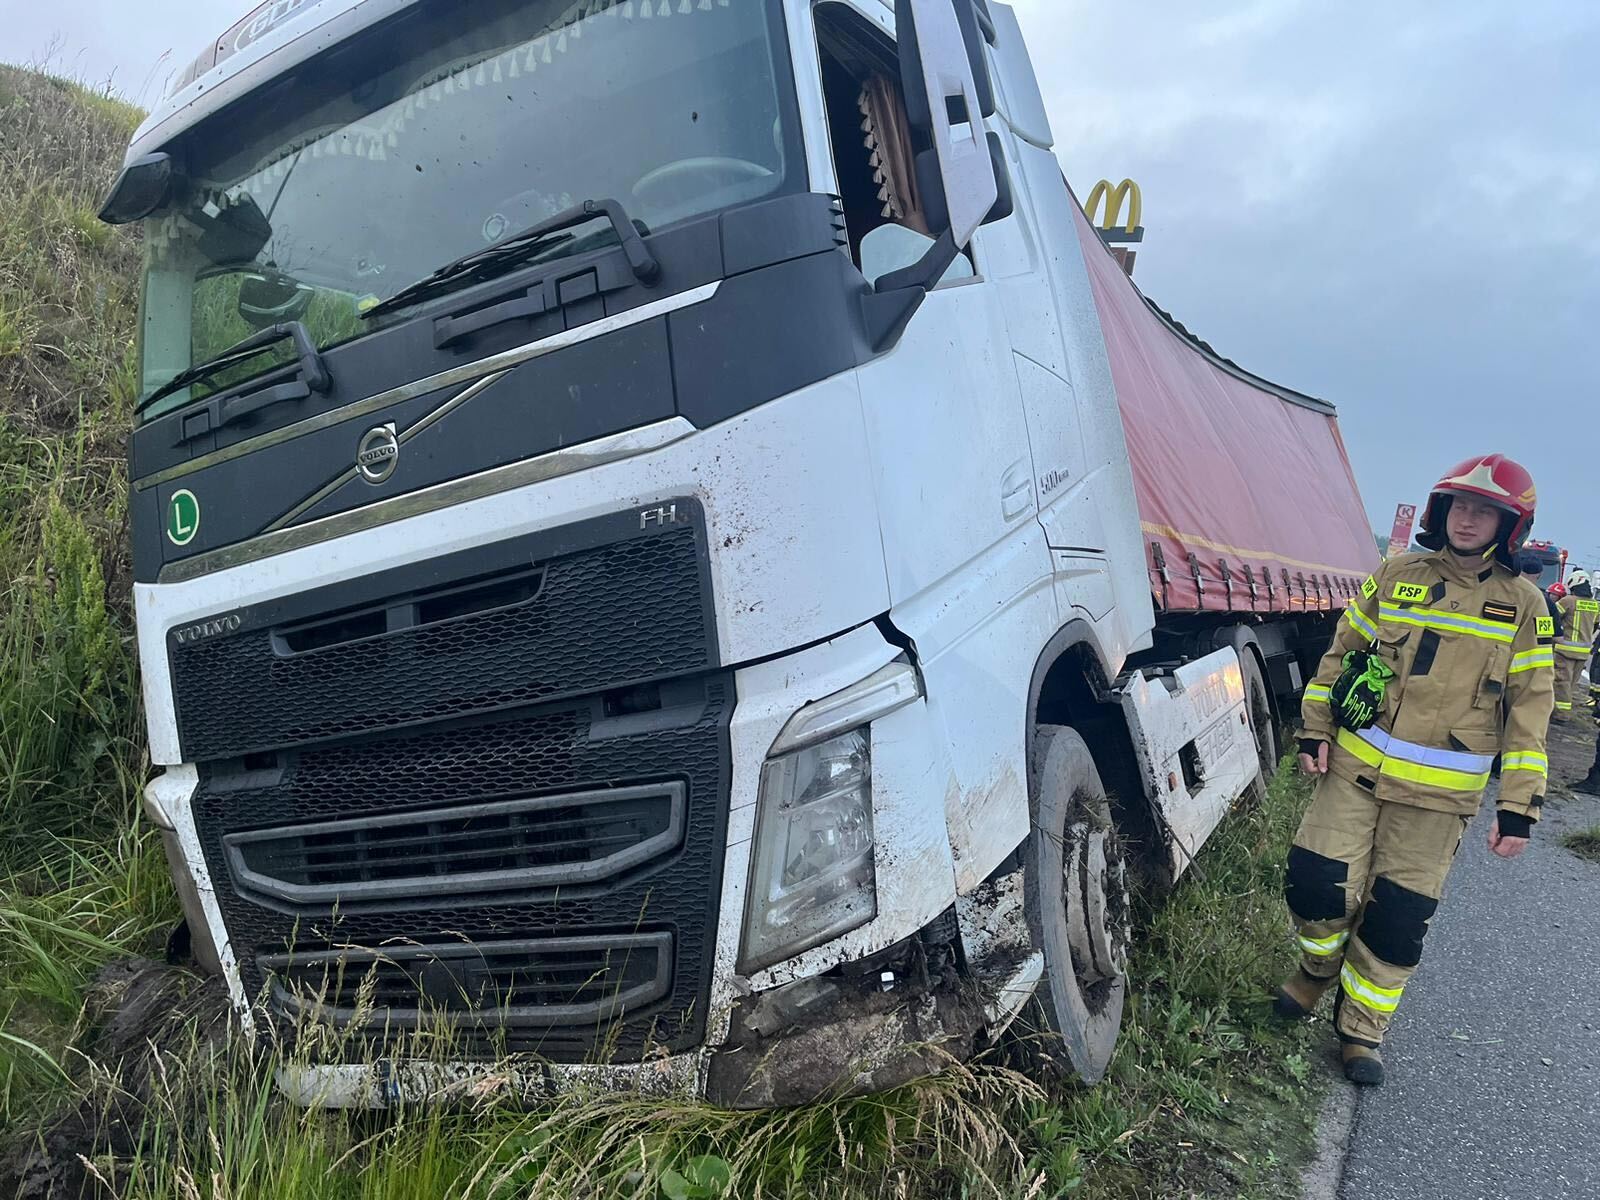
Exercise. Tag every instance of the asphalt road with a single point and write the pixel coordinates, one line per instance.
(1493, 1061)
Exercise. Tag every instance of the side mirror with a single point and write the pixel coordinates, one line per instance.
(268, 297)
(960, 168)
(235, 234)
(143, 187)
(946, 104)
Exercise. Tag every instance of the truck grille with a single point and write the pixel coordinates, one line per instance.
(475, 770)
(510, 628)
(531, 843)
(540, 983)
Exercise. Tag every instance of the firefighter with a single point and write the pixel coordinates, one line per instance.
(1594, 673)
(1531, 568)
(1443, 659)
(1574, 640)
(1590, 783)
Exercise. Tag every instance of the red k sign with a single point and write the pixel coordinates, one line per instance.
(1400, 535)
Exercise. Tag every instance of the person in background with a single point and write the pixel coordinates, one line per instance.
(1575, 633)
(1594, 675)
(1530, 568)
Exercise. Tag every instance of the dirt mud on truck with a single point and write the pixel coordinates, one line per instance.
(668, 550)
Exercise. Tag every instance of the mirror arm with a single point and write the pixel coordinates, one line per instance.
(894, 299)
(980, 10)
(926, 271)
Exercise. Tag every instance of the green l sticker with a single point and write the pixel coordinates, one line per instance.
(183, 517)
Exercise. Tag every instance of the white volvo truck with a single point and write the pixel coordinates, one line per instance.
(639, 557)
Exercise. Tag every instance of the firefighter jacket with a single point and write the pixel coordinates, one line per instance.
(1471, 649)
(1579, 615)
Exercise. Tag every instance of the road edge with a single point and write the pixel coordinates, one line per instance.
(1335, 1125)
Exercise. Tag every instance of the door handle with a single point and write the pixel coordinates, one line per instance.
(1016, 490)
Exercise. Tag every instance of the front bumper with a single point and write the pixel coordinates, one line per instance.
(849, 1034)
(895, 1017)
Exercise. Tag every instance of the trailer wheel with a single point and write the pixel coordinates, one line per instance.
(1077, 900)
(1258, 707)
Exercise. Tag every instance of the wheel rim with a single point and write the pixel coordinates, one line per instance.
(1082, 916)
(1260, 709)
(1096, 895)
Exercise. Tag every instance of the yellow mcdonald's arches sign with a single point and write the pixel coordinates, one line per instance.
(1114, 196)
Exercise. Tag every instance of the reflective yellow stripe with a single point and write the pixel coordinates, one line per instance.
(1439, 777)
(1393, 767)
(1324, 947)
(1566, 705)
(1362, 990)
(1359, 622)
(1370, 755)
(1526, 760)
(1574, 649)
(1316, 691)
(1431, 618)
(1529, 659)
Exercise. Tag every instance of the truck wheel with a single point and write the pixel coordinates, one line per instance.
(1258, 707)
(1077, 900)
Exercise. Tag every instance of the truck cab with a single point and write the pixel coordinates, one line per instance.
(637, 562)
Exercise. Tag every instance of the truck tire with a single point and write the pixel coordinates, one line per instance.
(1076, 898)
(1258, 705)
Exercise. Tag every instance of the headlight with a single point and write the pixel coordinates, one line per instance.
(811, 878)
(811, 871)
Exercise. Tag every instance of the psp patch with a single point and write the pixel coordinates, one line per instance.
(1544, 627)
(1411, 593)
(1369, 587)
(1494, 610)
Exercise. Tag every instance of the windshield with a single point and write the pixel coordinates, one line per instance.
(441, 132)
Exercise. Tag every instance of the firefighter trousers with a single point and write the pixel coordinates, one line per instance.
(1364, 879)
(1569, 671)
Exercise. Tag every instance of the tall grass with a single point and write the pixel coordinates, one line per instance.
(80, 882)
(1207, 1095)
(69, 721)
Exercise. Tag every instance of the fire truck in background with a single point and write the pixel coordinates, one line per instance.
(1552, 557)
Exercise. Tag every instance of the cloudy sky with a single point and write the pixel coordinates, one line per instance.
(1391, 206)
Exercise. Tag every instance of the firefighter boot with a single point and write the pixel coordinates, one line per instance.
(1590, 783)
(1298, 997)
(1363, 1065)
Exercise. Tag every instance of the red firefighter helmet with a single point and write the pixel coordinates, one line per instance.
(1556, 590)
(1501, 481)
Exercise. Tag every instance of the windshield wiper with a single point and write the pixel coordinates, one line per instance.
(311, 366)
(525, 244)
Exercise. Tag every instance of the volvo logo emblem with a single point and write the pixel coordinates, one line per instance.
(202, 630)
(378, 454)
